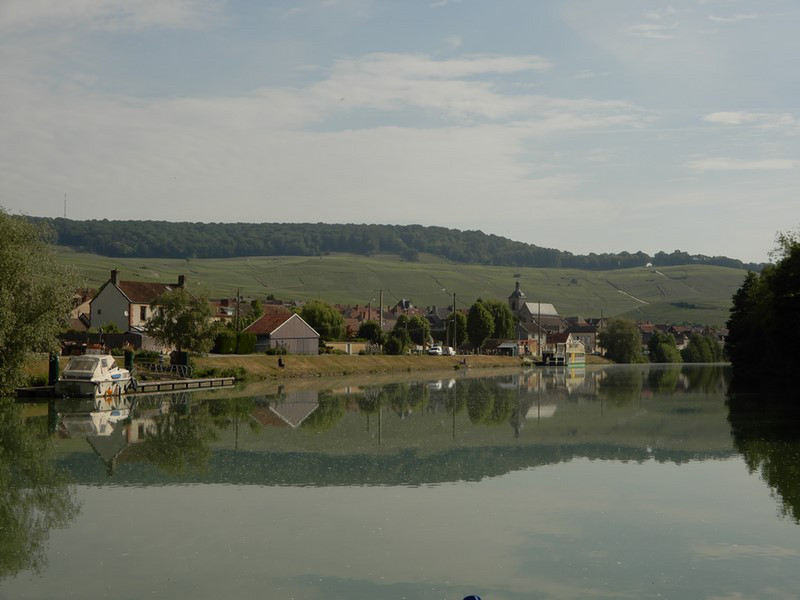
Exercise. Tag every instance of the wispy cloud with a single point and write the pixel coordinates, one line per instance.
(653, 31)
(440, 3)
(735, 164)
(21, 15)
(454, 41)
(733, 18)
(764, 120)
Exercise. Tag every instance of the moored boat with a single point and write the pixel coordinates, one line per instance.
(93, 374)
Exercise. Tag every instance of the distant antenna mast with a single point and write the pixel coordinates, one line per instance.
(65, 206)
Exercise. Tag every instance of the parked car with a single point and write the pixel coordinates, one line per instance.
(435, 350)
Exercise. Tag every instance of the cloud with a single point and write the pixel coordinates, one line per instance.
(440, 3)
(734, 18)
(765, 120)
(735, 164)
(21, 15)
(651, 30)
(454, 41)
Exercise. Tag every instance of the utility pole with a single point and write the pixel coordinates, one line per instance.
(455, 326)
(237, 310)
(381, 309)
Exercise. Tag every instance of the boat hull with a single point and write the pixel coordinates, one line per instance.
(83, 387)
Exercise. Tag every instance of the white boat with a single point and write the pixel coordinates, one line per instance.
(93, 374)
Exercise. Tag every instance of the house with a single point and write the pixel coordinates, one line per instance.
(587, 334)
(562, 349)
(279, 327)
(127, 304)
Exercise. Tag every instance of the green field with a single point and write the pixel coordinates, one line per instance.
(685, 294)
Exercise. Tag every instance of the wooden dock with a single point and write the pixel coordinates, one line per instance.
(143, 387)
(182, 384)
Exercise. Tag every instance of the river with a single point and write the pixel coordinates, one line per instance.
(609, 482)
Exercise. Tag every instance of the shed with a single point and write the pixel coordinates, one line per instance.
(279, 327)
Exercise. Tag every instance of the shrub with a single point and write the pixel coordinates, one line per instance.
(225, 342)
(246, 343)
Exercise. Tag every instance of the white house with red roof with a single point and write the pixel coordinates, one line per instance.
(279, 327)
(127, 304)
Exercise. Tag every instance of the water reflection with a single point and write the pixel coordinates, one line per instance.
(34, 495)
(405, 432)
(549, 479)
(766, 430)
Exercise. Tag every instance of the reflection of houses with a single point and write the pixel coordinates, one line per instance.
(127, 304)
(280, 328)
(290, 411)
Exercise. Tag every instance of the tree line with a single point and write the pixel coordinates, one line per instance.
(163, 239)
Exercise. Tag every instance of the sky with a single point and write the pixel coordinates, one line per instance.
(573, 124)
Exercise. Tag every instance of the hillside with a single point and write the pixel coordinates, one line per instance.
(162, 239)
(692, 293)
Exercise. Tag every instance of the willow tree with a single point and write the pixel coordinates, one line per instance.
(35, 296)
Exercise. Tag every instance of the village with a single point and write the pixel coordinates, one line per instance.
(119, 312)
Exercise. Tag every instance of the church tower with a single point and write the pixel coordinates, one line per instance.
(516, 300)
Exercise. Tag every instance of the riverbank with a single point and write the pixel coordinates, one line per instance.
(259, 366)
(263, 367)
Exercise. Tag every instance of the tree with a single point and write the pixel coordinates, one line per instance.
(763, 328)
(371, 331)
(328, 321)
(622, 341)
(457, 328)
(662, 348)
(702, 349)
(35, 296)
(503, 318)
(183, 321)
(394, 345)
(420, 330)
(400, 331)
(480, 324)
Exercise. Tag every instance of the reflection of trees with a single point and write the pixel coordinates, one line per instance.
(663, 381)
(707, 379)
(34, 496)
(181, 439)
(621, 386)
(489, 404)
(765, 431)
(404, 398)
(371, 401)
(230, 411)
(330, 411)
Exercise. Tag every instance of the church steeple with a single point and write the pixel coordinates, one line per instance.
(516, 299)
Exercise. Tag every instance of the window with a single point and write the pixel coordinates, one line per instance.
(143, 313)
(99, 311)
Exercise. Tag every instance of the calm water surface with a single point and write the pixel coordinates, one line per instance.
(617, 482)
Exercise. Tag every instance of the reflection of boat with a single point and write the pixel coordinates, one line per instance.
(93, 374)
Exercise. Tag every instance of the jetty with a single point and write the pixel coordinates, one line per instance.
(142, 387)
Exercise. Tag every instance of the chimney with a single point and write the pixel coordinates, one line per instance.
(181, 280)
(517, 290)
(114, 276)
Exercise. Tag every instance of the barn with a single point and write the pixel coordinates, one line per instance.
(279, 327)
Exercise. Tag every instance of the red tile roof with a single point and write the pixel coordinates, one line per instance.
(273, 317)
(144, 292)
(557, 338)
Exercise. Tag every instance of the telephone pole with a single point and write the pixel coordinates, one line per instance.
(455, 325)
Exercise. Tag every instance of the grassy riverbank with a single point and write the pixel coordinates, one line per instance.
(263, 367)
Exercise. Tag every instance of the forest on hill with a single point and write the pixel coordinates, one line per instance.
(163, 239)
